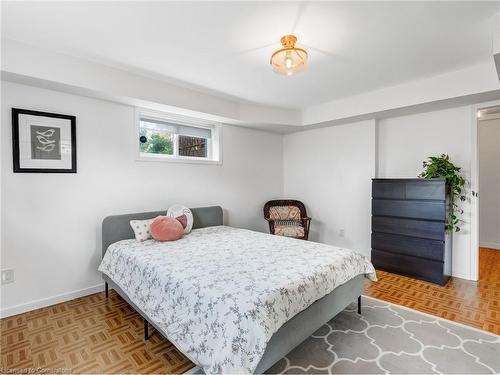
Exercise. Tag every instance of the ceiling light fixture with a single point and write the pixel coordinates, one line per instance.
(289, 59)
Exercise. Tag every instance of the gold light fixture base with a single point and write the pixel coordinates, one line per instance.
(288, 41)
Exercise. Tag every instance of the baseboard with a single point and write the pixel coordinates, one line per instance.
(490, 245)
(195, 370)
(462, 276)
(44, 302)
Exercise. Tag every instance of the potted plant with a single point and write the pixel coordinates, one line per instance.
(442, 167)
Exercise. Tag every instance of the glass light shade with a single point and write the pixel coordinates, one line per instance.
(289, 59)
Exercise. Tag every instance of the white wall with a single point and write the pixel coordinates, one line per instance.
(404, 142)
(489, 183)
(51, 222)
(330, 170)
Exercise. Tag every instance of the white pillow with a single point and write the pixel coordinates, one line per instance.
(142, 229)
(177, 211)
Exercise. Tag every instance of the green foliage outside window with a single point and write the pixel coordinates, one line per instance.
(156, 143)
(159, 144)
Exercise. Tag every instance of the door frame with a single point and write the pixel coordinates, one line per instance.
(474, 187)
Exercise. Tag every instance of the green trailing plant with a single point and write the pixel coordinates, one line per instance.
(442, 167)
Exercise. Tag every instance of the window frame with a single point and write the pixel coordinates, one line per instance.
(214, 143)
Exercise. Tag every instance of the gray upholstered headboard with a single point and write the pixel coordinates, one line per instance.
(116, 228)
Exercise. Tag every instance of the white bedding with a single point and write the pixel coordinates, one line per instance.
(220, 293)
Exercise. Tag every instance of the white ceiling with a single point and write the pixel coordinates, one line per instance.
(224, 47)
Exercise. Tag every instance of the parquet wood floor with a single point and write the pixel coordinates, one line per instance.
(87, 335)
(95, 335)
(475, 304)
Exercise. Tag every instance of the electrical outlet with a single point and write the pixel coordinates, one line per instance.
(342, 232)
(7, 276)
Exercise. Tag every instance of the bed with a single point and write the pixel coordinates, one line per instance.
(232, 300)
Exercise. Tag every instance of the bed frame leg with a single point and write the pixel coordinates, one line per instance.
(106, 289)
(146, 329)
(359, 305)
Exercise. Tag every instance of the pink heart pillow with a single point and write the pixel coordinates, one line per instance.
(166, 228)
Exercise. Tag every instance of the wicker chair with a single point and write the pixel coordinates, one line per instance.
(287, 218)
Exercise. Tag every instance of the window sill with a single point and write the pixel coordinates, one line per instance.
(182, 160)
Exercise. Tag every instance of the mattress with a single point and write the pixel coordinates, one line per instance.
(219, 293)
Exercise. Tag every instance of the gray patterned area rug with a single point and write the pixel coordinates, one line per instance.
(387, 338)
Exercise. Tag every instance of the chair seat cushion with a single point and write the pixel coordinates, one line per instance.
(289, 230)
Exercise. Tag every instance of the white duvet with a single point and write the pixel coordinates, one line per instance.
(220, 293)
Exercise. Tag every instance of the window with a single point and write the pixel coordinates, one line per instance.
(174, 138)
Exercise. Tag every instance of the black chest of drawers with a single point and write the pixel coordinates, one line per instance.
(408, 228)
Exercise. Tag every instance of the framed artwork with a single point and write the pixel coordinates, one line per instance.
(43, 142)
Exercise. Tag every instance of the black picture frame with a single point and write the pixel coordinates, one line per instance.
(16, 147)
